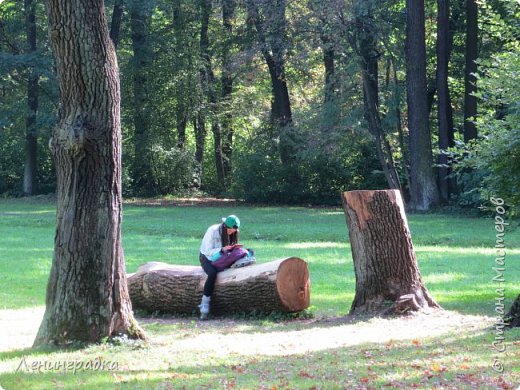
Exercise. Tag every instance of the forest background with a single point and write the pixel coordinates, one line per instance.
(286, 101)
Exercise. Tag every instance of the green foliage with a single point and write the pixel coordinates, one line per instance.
(173, 169)
(495, 156)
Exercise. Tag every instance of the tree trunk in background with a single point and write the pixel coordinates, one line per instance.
(208, 86)
(328, 62)
(444, 109)
(228, 14)
(199, 126)
(423, 186)
(273, 48)
(365, 45)
(140, 19)
(470, 81)
(31, 133)
(87, 296)
(280, 285)
(115, 25)
(183, 104)
(388, 280)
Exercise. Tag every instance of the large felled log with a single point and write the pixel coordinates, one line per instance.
(388, 280)
(280, 285)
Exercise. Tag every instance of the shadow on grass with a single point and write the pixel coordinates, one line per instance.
(462, 363)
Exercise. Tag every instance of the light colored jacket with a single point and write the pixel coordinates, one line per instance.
(212, 241)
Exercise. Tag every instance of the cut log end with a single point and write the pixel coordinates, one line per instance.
(292, 284)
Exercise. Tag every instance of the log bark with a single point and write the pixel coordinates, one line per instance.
(388, 280)
(280, 286)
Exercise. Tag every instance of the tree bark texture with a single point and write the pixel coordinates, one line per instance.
(387, 274)
(470, 81)
(280, 285)
(444, 109)
(31, 133)
(87, 296)
(423, 187)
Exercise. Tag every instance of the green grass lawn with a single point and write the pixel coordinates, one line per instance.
(456, 256)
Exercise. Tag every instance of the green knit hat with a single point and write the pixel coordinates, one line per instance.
(232, 222)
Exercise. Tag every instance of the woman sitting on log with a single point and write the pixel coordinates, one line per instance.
(219, 239)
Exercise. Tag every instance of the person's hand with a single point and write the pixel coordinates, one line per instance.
(228, 248)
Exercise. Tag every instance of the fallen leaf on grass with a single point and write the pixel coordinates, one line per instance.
(303, 374)
(437, 368)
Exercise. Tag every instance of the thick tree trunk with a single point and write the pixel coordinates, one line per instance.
(388, 280)
(31, 133)
(444, 109)
(423, 187)
(281, 285)
(470, 81)
(87, 296)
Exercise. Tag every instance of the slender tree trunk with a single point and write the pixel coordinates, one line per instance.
(208, 85)
(31, 133)
(199, 128)
(444, 109)
(274, 54)
(199, 125)
(115, 25)
(87, 296)
(470, 81)
(228, 14)
(182, 122)
(364, 43)
(328, 62)
(388, 280)
(423, 187)
(143, 176)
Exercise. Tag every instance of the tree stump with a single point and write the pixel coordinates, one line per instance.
(513, 316)
(279, 286)
(388, 280)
